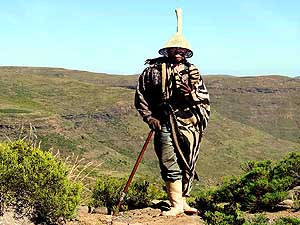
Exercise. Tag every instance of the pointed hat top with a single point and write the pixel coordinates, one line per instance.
(178, 40)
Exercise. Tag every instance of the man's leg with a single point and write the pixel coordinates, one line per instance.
(170, 169)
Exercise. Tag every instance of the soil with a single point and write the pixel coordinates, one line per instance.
(150, 216)
(146, 216)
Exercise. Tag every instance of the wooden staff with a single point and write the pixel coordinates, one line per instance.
(125, 190)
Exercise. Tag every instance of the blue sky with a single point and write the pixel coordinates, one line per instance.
(237, 37)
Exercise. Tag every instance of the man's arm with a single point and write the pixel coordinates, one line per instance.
(141, 103)
(199, 95)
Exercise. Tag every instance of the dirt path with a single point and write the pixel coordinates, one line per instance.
(146, 216)
(150, 216)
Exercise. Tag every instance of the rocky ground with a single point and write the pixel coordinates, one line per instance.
(146, 216)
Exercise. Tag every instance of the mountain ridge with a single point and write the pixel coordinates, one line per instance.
(92, 115)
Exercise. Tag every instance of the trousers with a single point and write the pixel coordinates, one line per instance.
(169, 162)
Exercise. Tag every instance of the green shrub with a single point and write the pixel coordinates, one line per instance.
(223, 215)
(108, 189)
(107, 192)
(35, 184)
(288, 170)
(262, 187)
(218, 214)
(264, 184)
(141, 193)
(259, 219)
(287, 221)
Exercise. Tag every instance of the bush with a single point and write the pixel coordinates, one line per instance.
(108, 189)
(227, 215)
(107, 192)
(287, 221)
(35, 184)
(141, 193)
(262, 187)
(264, 184)
(259, 219)
(218, 214)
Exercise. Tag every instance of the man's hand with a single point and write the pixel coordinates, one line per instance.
(154, 124)
(185, 89)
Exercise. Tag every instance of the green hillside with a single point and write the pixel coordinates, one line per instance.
(92, 115)
(269, 103)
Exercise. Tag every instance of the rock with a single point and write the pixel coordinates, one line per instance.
(155, 202)
(119, 223)
(83, 209)
(91, 209)
(287, 204)
(161, 204)
(294, 193)
(9, 219)
(100, 210)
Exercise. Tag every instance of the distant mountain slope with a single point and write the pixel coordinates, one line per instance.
(269, 103)
(93, 115)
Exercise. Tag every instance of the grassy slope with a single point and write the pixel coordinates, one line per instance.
(93, 115)
(269, 103)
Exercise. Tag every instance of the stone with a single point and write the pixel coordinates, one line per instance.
(83, 209)
(294, 193)
(119, 223)
(100, 210)
(288, 204)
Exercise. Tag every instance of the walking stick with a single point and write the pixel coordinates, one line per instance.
(125, 190)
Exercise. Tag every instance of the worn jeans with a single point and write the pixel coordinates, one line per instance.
(166, 153)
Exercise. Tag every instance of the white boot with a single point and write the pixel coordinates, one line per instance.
(174, 190)
(188, 209)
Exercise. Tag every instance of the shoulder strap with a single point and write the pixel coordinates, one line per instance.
(163, 80)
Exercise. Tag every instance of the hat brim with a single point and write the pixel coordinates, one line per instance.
(164, 52)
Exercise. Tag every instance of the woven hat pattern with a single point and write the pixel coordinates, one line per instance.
(178, 40)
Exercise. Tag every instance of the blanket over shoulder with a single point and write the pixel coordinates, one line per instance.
(159, 94)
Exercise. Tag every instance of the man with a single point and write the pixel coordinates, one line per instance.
(173, 100)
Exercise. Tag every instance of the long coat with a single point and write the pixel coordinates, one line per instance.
(159, 95)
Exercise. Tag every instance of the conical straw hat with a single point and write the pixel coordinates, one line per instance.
(178, 40)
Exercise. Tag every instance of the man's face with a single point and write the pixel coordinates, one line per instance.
(178, 54)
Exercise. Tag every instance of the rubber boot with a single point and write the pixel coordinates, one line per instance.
(188, 209)
(174, 190)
